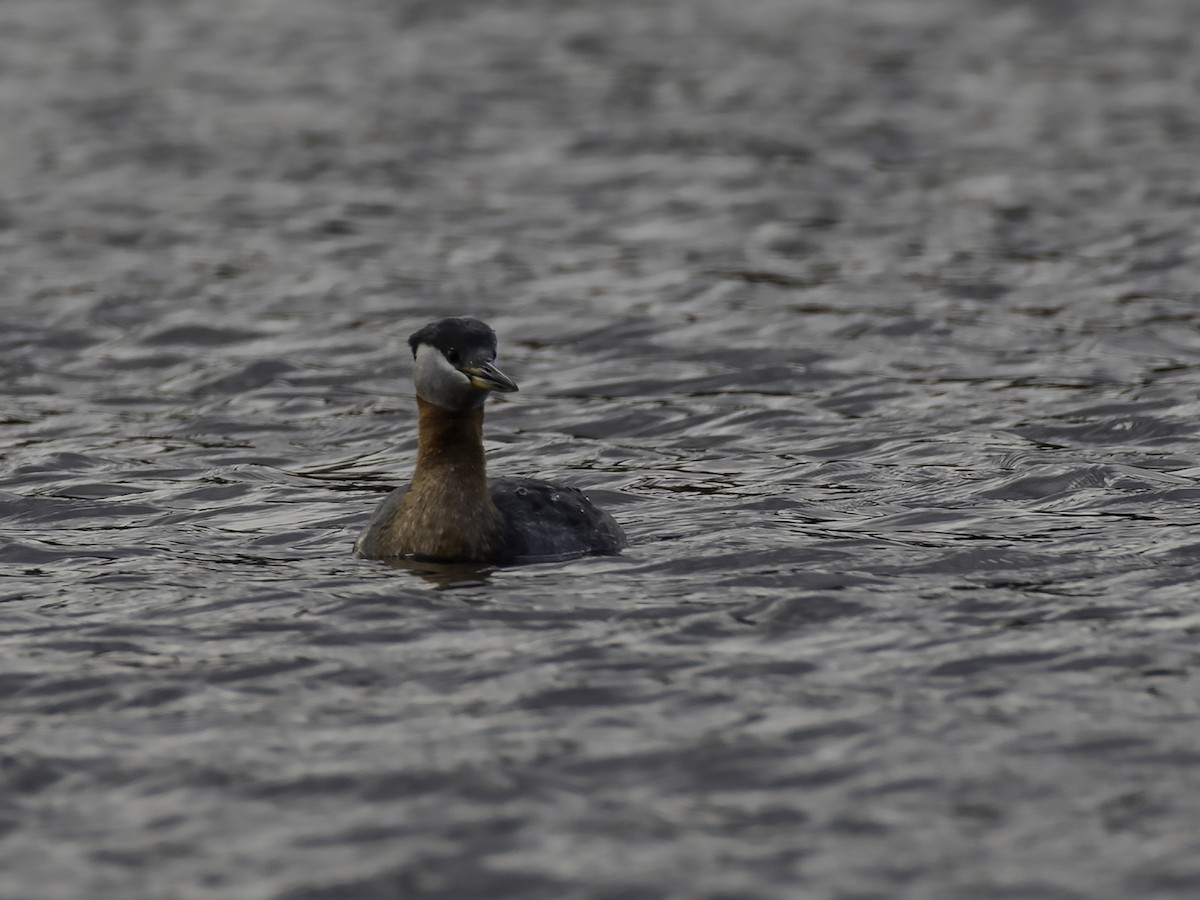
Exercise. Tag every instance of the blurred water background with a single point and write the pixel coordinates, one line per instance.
(874, 323)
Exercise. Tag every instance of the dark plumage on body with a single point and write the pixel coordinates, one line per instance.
(451, 511)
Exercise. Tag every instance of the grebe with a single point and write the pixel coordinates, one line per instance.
(451, 511)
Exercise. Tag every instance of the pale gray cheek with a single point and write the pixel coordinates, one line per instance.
(440, 383)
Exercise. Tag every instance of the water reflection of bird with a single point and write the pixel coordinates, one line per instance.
(451, 511)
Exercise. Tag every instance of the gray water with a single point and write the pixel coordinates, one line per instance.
(874, 323)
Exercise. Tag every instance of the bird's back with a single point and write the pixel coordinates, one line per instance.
(549, 520)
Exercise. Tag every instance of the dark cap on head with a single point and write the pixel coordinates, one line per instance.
(459, 335)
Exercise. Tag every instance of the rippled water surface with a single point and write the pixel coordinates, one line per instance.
(875, 324)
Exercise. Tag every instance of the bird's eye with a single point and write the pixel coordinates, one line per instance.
(452, 355)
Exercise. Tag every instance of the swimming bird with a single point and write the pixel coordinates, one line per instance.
(451, 511)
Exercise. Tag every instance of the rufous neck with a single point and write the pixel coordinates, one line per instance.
(449, 439)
